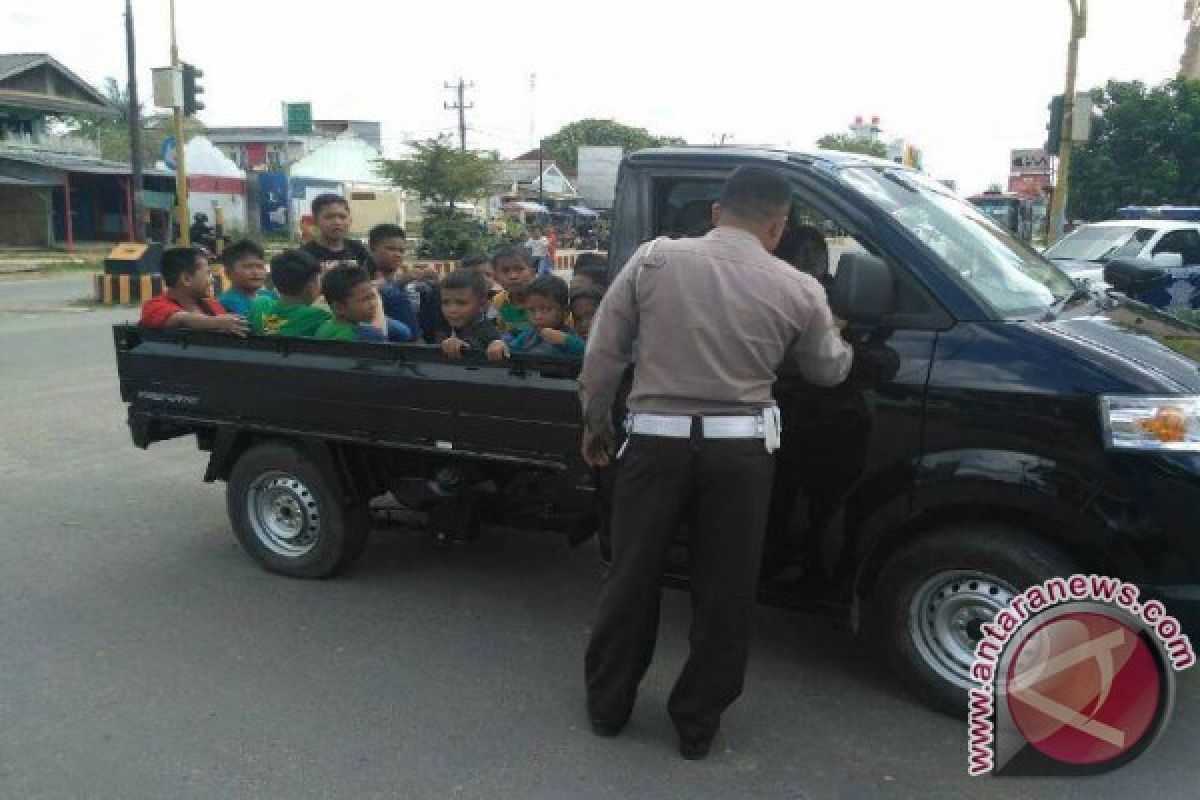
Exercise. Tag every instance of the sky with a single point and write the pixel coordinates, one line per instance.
(966, 80)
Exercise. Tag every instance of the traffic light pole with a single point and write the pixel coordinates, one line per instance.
(181, 187)
(1058, 206)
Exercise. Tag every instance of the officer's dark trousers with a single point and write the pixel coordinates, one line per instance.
(721, 487)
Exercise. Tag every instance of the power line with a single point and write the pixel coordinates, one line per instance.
(461, 106)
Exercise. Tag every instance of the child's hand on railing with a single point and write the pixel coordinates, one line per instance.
(555, 337)
(497, 351)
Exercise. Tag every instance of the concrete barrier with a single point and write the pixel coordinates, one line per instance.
(122, 290)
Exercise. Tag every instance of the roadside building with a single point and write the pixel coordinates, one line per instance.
(348, 166)
(57, 189)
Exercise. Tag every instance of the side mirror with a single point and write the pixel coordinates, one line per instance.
(1167, 260)
(863, 288)
(1132, 276)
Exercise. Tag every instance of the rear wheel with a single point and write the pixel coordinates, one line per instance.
(933, 597)
(287, 516)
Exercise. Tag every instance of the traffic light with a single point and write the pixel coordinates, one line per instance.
(1054, 129)
(192, 88)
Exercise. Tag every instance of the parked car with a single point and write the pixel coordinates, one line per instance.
(1000, 426)
(1170, 244)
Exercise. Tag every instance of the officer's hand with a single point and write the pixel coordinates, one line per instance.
(597, 447)
(453, 347)
(497, 351)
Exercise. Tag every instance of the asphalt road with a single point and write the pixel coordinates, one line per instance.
(142, 655)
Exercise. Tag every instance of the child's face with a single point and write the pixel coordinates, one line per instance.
(582, 313)
(334, 222)
(248, 274)
(198, 284)
(544, 312)
(513, 273)
(389, 255)
(461, 307)
(359, 306)
(581, 282)
(488, 271)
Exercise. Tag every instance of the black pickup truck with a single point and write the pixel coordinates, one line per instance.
(1002, 424)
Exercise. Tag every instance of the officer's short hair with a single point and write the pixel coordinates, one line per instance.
(756, 193)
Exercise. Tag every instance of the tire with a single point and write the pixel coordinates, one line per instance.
(932, 596)
(287, 516)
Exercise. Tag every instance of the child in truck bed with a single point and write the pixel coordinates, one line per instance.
(545, 302)
(188, 300)
(296, 276)
(247, 272)
(514, 270)
(464, 304)
(357, 310)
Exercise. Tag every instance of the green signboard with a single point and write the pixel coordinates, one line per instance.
(297, 117)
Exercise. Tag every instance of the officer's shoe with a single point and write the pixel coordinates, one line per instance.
(605, 728)
(695, 749)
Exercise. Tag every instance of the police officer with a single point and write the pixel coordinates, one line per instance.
(707, 321)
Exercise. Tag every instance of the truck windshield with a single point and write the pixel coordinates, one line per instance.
(1100, 243)
(1006, 273)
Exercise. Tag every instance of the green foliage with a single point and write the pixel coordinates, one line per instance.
(441, 173)
(851, 144)
(563, 147)
(1144, 150)
(449, 234)
(111, 134)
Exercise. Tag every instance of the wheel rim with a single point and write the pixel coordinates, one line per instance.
(946, 617)
(284, 514)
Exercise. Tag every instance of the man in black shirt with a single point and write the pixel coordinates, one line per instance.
(331, 248)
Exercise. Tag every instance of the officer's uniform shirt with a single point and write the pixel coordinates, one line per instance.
(708, 321)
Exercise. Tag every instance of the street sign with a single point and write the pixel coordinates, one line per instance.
(167, 154)
(297, 118)
(1030, 162)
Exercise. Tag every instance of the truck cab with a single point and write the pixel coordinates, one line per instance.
(993, 432)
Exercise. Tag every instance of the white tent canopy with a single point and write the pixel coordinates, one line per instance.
(346, 159)
(203, 158)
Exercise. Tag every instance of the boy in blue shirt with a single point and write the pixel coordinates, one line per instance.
(246, 267)
(545, 303)
(388, 244)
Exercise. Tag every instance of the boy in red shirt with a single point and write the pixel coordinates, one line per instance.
(188, 300)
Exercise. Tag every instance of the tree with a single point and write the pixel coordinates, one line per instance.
(1144, 149)
(563, 146)
(852, 144)
(441, 173)
(111, 133)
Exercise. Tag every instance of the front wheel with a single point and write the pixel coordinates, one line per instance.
(933, 597)
(288, 518)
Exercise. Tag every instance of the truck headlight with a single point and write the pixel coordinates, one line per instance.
(1151, 423)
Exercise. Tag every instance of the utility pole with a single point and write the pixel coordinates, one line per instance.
(532, 107)
(461, 107)
(135, 128)
(181, 187)
(1058, 206)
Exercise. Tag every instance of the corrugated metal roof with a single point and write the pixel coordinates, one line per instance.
(67, 162)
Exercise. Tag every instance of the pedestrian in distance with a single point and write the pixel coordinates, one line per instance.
(707, 321)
